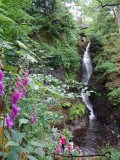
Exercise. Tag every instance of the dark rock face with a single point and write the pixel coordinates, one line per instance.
(79, 122)
(104, 111)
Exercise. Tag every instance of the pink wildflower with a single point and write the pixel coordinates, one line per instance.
(18, 84)
(13, 114)
(15, 96)
(26, 81)
(15, 108)
(26, 73)
(1, 88)
(9, 122)
(1, 75)
(34, 118)
(24, 90)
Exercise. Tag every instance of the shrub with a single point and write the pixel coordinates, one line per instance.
(78, 109)
(114, 96)
(107, 66)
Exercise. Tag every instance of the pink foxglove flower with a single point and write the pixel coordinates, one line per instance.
(26, 73)
(13, 114)
(1, 75)
(18, 84)
(24, 90)
(26, 81)
(15, 108)
(19, 79)
(16, 96)
(9, 122)
(1, 88)
(35, 115)
(34, 118)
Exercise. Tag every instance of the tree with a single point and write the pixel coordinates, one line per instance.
(115, 6)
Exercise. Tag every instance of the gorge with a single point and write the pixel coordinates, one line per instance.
(96, 134)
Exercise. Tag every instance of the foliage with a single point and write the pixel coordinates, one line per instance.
(61, 56)
(66, 104)
(54, 19)
(114, 96)
(96, 44)
(107, 67)
(77, 109)
(115, 154)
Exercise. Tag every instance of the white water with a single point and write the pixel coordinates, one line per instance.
(87, 66)
(87, 71)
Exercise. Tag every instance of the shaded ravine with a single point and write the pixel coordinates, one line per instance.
(95, 134)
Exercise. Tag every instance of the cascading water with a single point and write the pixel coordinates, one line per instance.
(87, 66)
(87, 71)
(94, 135)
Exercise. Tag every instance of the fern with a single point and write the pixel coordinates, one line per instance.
(114, 96)
(78, 109)
(4, 18)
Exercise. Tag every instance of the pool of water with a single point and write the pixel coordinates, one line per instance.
(96, 135)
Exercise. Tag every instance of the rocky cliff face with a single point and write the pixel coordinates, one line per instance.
(106, 80)
(104, 111)
(101, 83)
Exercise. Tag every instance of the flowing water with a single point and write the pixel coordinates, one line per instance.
(95, 134)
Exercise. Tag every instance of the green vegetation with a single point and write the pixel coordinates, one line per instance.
(105, 49)
(114, 96)
(76, 110)
(115, 154)
(43, 37)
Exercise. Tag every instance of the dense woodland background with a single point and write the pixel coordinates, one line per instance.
(44, 37)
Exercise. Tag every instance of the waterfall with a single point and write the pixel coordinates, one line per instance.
(87, 71)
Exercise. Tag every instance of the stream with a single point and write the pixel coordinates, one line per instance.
(95, 135)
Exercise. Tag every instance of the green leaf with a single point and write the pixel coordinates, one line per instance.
(4, 18)
(18, 52)
(31, 58)
(21, 45)
(22, 121)
(39, 152)
(30, 149)
(11, 143)
(12, 155)
(19, 149)
(31, 157)
(18, 136)
(7, 134)
(37, 144)
(6, 45)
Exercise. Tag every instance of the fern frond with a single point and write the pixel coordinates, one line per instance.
(1, 4)
(4, 18)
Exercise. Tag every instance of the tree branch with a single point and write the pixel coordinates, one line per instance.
(108, 4)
